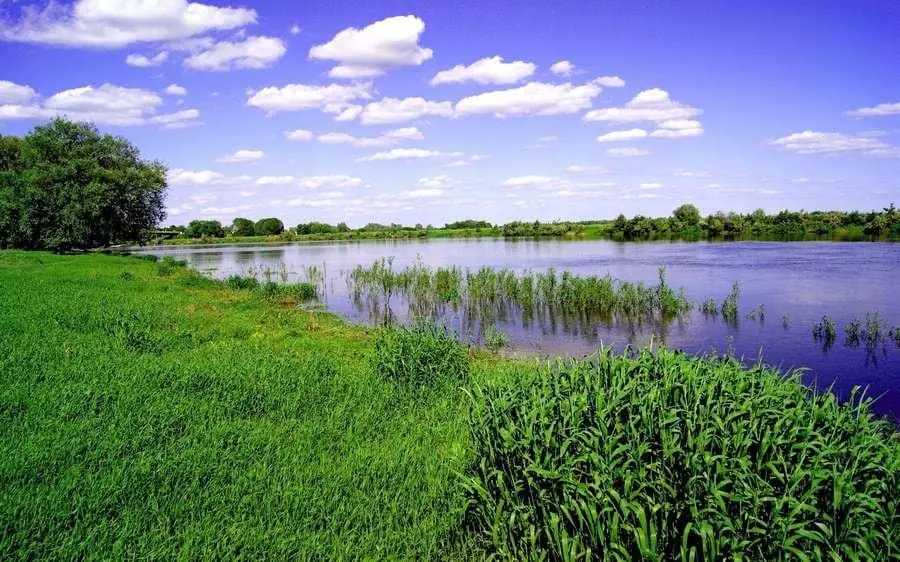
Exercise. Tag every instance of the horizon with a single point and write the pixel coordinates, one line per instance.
(387, 114)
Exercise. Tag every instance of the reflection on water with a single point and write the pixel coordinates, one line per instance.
(786, 288)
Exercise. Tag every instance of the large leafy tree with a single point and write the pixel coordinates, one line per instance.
(242, 227)
(66, 186)
(269, 226)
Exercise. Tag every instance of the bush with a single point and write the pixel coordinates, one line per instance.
(241, 282)
(670, 457)
(268, 227)
(423, 355)
(242, 227)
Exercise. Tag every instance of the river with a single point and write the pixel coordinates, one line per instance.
(796, 282)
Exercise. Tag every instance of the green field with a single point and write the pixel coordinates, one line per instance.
(147, 412)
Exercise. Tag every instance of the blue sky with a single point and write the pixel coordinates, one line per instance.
(399, 111)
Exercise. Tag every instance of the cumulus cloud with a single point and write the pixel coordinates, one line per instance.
(299, 135)
(490, 70)
(562, 68)
(252, 52)
(627, 152)
(333, 98)
(175, 90)
(534, 98)
(177, 120)
(651, 185)
(295, 29)
(12, 93)
(879, 110)
(370, 51)
(466, 161)
(406, 153)
(677, 129)
(313, 182)
(392, 110)
(142, 61)
(386, 139)
(652, 105)
(812, 142)
(578, 169)
(626, 135)
(436, 182)
(114, 24)
(242, 155)
(610, 82)
(180, 176)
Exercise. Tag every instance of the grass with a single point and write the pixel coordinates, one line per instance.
(172, 416)
(668, 457)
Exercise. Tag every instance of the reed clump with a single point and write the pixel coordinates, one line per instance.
(421, 356)
(663, 456)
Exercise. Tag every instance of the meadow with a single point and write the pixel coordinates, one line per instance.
(149, 412)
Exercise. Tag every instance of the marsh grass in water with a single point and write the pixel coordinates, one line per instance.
(668, 457)
(730, 304)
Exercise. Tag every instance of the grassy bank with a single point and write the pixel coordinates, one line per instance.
(146, 412)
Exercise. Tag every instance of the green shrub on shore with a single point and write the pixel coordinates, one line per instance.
(422, 355)
(669, 457)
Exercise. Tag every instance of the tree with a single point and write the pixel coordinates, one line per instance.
(687, 215)
(242, 227)
(65, 186)
(268, 226)
(342, 227)
(204, 229)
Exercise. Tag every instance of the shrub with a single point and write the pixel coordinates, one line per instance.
(421, 355)
(242, 282)
(671, 457)
(268, 226)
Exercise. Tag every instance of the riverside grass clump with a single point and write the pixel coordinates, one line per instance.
(421, 356)
(663, 456)
(493, 292)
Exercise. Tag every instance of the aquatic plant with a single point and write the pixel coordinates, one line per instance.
(495, 339)
(894, 334)
(825, 330)
(851, 333)
(420, 356)
(874, 332)
(617, 458)
(785, 321)
(710, 307)
(730, 304)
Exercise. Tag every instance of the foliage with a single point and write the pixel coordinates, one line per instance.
(203, 229)
(268, 226)
(458, 225)
(424, 355)
(65, 186)
(669, 457)
(825, 330)
(494, 339)
(316, 228)
(242, 227)
(730, 304)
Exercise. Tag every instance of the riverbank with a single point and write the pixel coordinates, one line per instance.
(150, 412)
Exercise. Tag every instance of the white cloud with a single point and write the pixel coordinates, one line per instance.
(386, 139)
(333, 98)
(142, 61)
(436, 182)
(549, 138)
(12, 93)
(527, 181)
(627, 152)
(349, 114)
(610, 82)
(276, 180)
(422, 193)
(295, 29)
(626, 135)
(489, 70)
(879, 110)
(466, 161)
(242, 155)
(406, 153)
(175, 90)
(106, 104)
(371, 50)
(313, 182)
(651, 185)
(677, 129)
(114, 24)
(534, 98)
(811, 142)
(177, 120)
(577, 169)
(562, 68)
(392, 110)
(691, 174)
(650, 105)
(180, 176)
(298, 135)
(252, 52)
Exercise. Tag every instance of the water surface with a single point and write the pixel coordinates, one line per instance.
(796, 282)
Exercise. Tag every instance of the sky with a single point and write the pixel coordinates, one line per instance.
(429, 112)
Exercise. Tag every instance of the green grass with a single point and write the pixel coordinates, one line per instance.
(163, 416)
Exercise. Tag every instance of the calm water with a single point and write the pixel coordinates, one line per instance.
(802, 281)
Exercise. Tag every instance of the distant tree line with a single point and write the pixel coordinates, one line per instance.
(65, 186)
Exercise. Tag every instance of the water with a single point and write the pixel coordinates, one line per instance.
(801, 281)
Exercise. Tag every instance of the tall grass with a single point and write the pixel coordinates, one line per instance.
(421, 356)
(668, 457)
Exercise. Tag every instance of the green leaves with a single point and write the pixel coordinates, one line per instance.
(668, 457)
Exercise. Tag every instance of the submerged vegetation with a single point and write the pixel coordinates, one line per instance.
(172, 416)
